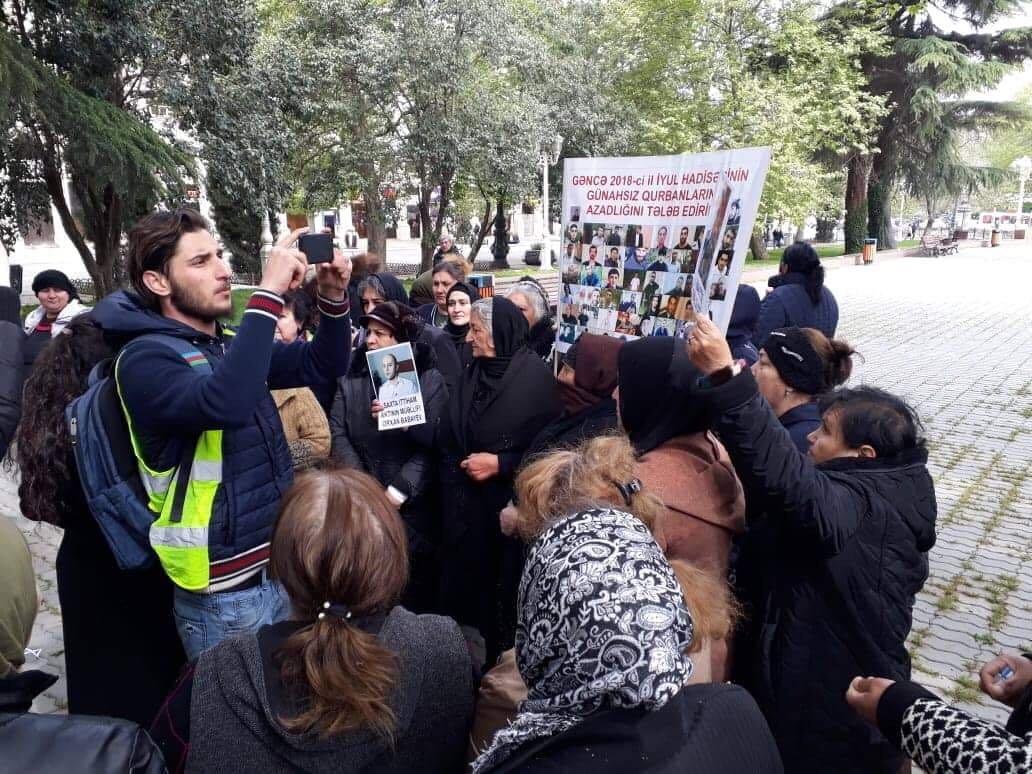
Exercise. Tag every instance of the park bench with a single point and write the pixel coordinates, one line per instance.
(935, 246)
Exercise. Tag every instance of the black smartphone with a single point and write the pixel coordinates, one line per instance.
(318, 248)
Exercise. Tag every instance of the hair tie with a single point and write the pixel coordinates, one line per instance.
(338, 611)
(632, 487)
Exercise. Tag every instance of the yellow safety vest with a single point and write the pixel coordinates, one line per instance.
(179, 535)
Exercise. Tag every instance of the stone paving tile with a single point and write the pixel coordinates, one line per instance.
(962, 353)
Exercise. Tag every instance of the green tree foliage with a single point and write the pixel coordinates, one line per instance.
(783, 78)
(62, 114)
(925, 76)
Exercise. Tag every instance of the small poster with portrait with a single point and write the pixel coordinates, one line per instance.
(653, 243)
(396, 386)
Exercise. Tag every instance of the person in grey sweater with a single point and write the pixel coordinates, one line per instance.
(353, 682)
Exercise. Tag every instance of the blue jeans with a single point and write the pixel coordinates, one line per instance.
(205, 620)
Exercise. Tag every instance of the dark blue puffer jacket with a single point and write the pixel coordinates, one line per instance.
(171, 404)
(790, 305)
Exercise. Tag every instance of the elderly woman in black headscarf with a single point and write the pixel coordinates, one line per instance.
(601, 643)
(382, 287)
(532, 300)
(402, 460)
(503, 399)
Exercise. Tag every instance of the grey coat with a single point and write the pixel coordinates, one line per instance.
(233, 728)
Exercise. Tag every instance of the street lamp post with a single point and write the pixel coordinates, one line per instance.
(1023, 166)
(547, 156)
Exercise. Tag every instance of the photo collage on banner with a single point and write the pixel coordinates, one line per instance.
(650, 243)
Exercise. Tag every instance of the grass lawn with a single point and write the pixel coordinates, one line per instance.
(824, 251)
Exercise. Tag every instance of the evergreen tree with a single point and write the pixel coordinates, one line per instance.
(54, 122)
(924, 78)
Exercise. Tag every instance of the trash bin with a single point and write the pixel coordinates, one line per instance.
(870, 246)
(994, 240)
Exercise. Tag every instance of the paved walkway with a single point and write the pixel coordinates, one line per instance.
(952, 334)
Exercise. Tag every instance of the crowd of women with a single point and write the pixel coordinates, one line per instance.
(634, 556)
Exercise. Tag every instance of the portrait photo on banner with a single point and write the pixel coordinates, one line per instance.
(651, 243)
(396, 386)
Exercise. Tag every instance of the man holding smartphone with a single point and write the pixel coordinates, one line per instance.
(209, 411)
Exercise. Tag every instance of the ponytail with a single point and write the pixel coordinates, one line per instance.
(839, 366)
(339, 550)
(801, 258)
(836, 357)
(815, 283)
(345, 675)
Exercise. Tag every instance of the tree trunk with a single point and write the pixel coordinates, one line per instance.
(928, 228)
(376, 226)
(478, 242)
(500, 248)
(54, 183)
(879, 202)
(758, 246)
(856, 203)
(427, 238)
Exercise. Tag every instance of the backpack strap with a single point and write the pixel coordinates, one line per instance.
(199, 361)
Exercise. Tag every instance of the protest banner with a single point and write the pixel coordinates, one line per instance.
(652, 242)
(396, 386)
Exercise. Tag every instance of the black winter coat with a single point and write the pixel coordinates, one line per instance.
(573, 429)
(712, 728)
(12, 372)
(542, 338)
(480, 567)
(404, 458)
(852, 541)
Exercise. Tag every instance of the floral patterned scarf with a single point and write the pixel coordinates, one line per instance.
(602, 625)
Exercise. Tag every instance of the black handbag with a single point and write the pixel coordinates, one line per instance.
(75, 744)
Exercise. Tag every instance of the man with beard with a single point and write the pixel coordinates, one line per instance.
(204, 410)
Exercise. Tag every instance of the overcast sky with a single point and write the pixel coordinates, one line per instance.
(1017, 81)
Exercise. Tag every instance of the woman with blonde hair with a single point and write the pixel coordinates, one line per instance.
(353, 681)
(603, 639)
(600, 473)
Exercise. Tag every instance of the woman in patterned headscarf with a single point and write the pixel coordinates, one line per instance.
(601, 639)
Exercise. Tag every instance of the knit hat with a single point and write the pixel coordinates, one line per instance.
(462, 287)
(395, 317)
(52, 278)
(796, 361)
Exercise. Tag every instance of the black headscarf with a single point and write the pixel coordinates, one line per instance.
(458, 332)
(509, 332)
(658, 398)
(10, 305)
(485, 380)
(393, 290)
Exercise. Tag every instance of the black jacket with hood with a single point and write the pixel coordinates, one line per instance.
(853, 537)
(404, 459)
